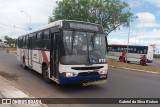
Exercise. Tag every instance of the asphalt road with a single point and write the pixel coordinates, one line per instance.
(121, 84)
(155, 63)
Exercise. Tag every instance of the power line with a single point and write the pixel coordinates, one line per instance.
(12, 26)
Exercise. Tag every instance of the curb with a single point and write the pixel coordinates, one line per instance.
(138, 70)
(27, 94)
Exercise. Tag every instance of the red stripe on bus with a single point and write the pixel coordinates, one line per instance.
(45, 59)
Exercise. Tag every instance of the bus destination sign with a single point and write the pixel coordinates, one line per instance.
(83, 26)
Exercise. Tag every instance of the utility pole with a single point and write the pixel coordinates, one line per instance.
(129, 30)
(29, 28)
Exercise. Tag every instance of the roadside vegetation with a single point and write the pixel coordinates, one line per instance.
(133, 66)
(156, 55)
(111, 14)
(8, 45)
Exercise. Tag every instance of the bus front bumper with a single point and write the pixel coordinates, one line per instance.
(81, 79)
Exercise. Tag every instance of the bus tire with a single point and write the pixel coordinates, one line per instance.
(24, 64)
(46, 74)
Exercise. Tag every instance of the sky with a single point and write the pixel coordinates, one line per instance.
(15, 15)
(144, 30)
(15, 18)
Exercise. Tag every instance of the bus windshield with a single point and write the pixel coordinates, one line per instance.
(83, 48)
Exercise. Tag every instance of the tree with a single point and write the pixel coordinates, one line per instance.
(10, 41)
(111, 14)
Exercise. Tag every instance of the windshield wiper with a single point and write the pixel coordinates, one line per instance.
(92, 39)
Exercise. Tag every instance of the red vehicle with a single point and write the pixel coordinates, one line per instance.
(123, 56)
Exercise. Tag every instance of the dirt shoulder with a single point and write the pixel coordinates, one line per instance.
(133, 66)
(10, 50)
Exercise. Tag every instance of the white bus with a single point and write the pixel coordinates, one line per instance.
(65, 51)
(135, 53)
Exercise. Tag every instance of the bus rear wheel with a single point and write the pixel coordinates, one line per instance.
(45, 74)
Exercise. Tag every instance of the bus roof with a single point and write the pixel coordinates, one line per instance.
(56, 23)
(128, 45)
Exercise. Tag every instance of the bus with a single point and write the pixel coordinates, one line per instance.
(135, 53)
(65, 51)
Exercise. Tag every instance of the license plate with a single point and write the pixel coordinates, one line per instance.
(103, 76)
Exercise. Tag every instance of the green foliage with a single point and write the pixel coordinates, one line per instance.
(109, 13)
(156, 56)
(10, 41)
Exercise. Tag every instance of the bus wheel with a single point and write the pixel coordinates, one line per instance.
(120, 58)
(24, 64)
(45, 74)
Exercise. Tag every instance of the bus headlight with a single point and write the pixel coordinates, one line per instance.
(69, 74)
(103, 72)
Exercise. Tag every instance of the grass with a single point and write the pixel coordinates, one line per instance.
(133, 66)
(10, 49)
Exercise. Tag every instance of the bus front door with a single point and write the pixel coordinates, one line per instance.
(30, 52)
(54, 53)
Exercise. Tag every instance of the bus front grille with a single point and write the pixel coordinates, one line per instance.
(87, 73)
(87, 68)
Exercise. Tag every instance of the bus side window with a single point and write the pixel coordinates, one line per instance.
(135, 50)
(27, 42)
(33, 40)
(38, 42)
(46, 40)
(30, 41)
(121, 49)
(129, 49)
(110, 48)
(145, 51)
(118, 49)
(24, 41)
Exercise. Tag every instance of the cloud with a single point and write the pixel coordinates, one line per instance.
(133, 41)
(146, 19)
(154, 34)
(138, 37)
(137, 3)
(143, 25)
(117, 41)
(11, 15)
(154, 2)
